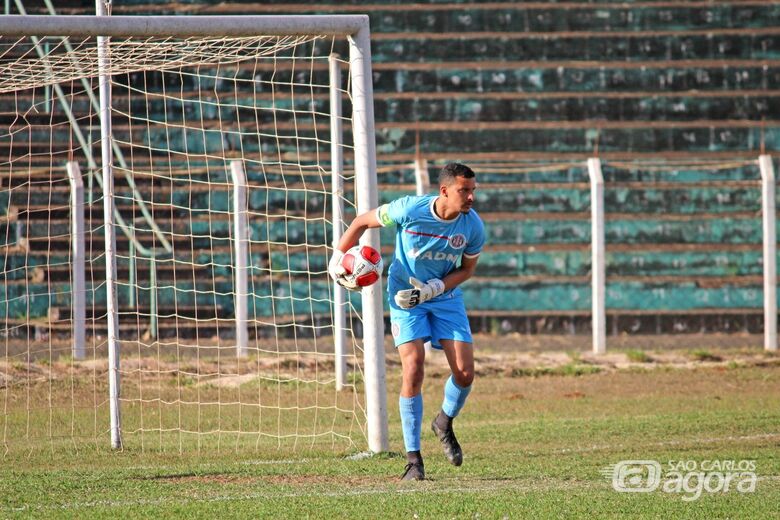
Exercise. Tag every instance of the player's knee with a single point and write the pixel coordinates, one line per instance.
(463, 377)
(414, 373)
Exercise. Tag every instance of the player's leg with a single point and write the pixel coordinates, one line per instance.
(410, 404)
(451, 331)
(410, 329)
(460, 356)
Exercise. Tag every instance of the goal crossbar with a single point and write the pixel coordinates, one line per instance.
(181, 26)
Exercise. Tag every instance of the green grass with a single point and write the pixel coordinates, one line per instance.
(705, 355)
(534, 448)
(638, 356)
(569, 369)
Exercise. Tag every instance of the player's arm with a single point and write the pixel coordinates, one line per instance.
(422, 292)
(356, 229)
(467, 268)
(350, 237)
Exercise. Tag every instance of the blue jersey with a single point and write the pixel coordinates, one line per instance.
(427, 246)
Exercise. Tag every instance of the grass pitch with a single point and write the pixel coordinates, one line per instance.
(535, 444)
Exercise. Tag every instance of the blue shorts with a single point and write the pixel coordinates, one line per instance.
(435, 320)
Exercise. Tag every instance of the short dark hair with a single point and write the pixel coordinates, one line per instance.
(450, 171)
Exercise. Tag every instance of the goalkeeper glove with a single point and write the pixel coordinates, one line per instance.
(421, 292)
(338, 273)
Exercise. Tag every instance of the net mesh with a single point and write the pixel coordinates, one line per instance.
(182, 112)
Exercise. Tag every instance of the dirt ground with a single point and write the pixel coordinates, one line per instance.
(54, 347)
(525, 355)
(584, 342)
(510, 355)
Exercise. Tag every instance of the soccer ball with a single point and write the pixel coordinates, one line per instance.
(363, 265)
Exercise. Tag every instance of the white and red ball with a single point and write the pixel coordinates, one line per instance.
(363, 265)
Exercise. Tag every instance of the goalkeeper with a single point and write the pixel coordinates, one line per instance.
(438, 241)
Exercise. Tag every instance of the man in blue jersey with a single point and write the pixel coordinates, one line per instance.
(438, 241)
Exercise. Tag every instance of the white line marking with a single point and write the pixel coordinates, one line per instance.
(675, 442)
(425, 487)
(399, 489)
(204, 465)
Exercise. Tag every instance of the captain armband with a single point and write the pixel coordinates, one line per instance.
(383, 215)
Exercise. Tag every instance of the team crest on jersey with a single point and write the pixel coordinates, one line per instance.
(458, 241)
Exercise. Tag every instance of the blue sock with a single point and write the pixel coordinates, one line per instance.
(411, 420)
(454, 397)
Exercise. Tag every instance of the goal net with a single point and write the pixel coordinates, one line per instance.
(166, 288)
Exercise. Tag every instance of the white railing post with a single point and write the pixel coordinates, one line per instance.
(241, 247)
(422, 182)
(337, 188)
(367, 198)
(770, 251)
(598, 277)
(78, 304)
(112, 315)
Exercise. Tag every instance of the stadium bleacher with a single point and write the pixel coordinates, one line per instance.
(496, 85)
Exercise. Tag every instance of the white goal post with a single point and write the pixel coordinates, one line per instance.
(185, 50)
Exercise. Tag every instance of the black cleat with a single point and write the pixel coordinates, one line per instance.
(414, 471)
(450, 444)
